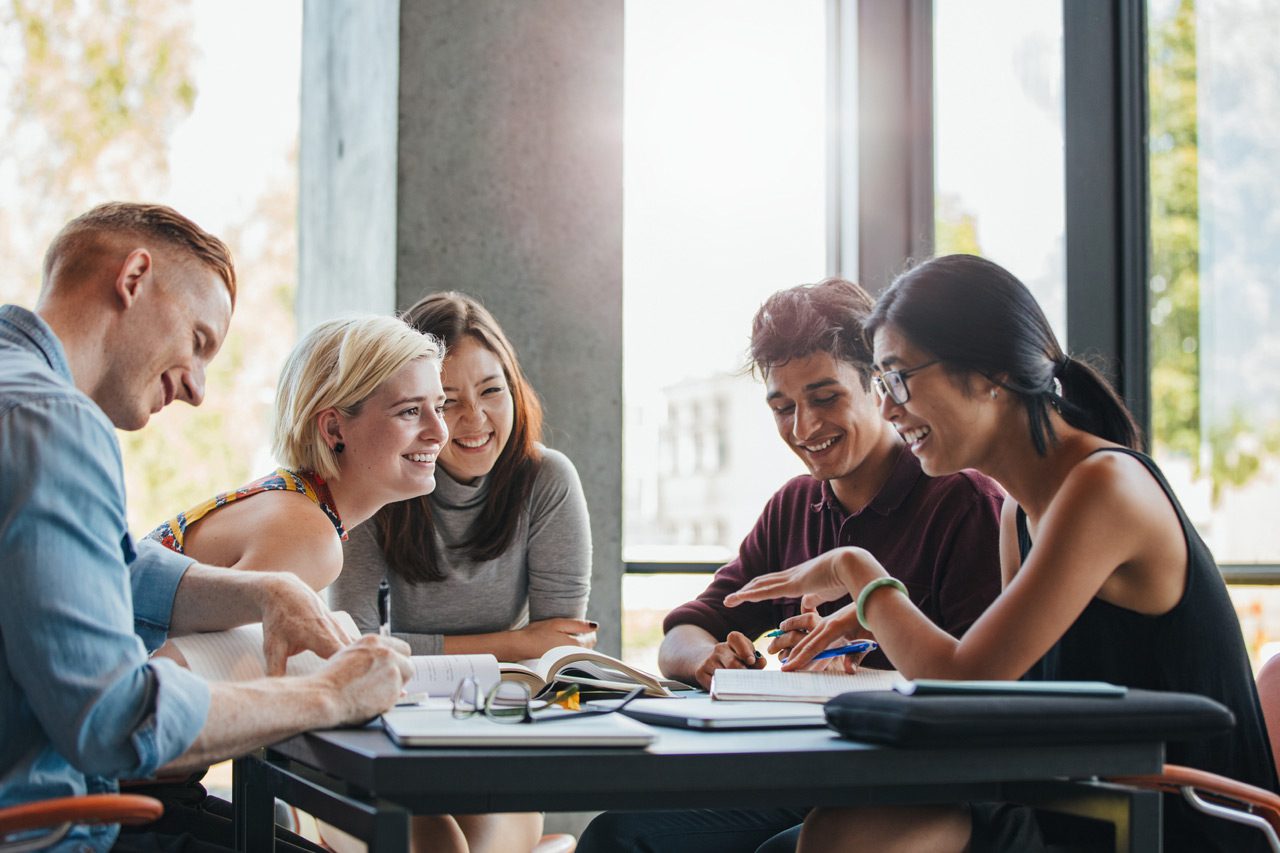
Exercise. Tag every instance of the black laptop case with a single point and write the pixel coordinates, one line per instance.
(933, 721)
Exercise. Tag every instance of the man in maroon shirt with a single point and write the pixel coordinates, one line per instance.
(938, 535)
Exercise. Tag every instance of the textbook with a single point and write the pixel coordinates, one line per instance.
(771, 685)
(588, 668)
(236, 655)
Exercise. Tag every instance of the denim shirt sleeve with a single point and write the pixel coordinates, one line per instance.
(68, 606)
(154, 575)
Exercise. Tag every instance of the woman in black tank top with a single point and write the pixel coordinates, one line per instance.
(1105, 578)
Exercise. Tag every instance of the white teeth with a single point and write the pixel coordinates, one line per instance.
(420, 457)
(473, 442)
(815, 448)
(911, 436)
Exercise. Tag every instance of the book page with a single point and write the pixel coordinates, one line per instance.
(772, 684)
(236, 654)
(592, 663)
(438, 675)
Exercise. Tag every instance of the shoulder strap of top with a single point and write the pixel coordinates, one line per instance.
(1024, 535)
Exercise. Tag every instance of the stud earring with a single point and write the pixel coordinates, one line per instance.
(339, 447)
(994, 393)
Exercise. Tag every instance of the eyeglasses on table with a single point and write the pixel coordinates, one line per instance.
(512, 702)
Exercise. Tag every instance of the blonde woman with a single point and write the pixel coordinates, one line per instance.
(357, 426)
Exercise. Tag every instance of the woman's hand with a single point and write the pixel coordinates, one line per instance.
(838, 629)
(537, 638)
(827, 577)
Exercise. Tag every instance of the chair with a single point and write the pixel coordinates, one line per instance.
(1223, 797)
(60, 814)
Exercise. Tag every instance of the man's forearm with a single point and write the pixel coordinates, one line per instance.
(683, 650)
(249, 714)
(215, 599)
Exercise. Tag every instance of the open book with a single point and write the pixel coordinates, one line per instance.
(236, 655)
(771, 685)
(586, 667)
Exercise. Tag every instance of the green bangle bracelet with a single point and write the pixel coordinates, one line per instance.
(872, 587)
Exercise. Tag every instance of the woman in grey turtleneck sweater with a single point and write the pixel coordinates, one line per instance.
(498, 558)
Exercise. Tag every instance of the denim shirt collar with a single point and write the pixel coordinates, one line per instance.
(28, 330)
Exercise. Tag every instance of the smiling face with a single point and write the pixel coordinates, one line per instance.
(824, 415)
(164, 342)
(947, 422)
(478, 409)
(392, 444)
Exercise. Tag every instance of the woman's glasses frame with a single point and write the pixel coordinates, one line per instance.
(893, 383)
(511, 702)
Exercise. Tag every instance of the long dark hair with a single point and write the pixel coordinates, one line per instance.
(405, 528)
(977, 316)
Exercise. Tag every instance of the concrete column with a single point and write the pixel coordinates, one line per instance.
(507, 162)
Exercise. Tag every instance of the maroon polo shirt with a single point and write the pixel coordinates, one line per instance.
(938, 535)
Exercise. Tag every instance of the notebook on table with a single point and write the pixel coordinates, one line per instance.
(771, 685)
(707, 714)
(432, 727)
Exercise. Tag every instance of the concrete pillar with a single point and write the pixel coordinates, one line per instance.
(507, 164)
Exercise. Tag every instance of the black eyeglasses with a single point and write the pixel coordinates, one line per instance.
(511, 702)
(893, 383)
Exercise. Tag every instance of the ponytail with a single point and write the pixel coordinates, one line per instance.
(1088, 402)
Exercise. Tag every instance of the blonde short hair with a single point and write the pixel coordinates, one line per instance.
(339, 364)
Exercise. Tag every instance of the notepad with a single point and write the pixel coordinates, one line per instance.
(776, 686)
(421, 728)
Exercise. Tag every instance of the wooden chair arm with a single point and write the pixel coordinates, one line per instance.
(1176, 778)
(92, 808)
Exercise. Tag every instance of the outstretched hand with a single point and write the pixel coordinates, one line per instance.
(818, 580)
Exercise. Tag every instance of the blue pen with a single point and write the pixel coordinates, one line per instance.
(851, 649)
(776, 633)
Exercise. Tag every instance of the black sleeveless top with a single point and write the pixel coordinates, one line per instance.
(1196, 647)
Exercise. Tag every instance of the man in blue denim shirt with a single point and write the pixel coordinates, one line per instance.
(135, 302)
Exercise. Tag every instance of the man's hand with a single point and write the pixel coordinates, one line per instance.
(367, 677)
(736, 652)
(795, 629)
(295, 619)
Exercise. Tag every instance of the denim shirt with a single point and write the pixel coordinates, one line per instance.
(81, 705)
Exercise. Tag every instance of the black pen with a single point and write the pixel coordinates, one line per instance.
(384, 608)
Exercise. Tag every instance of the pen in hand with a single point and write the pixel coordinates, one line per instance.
(854, 648)
(384, 608)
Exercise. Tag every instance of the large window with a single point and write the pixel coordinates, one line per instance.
(1214, 297)
(998, 140)
(725, 177)
(181, 103)
(725, 202)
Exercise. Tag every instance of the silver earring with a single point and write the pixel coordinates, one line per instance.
(994, 393)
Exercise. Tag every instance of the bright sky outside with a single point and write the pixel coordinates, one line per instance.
(244, 126)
